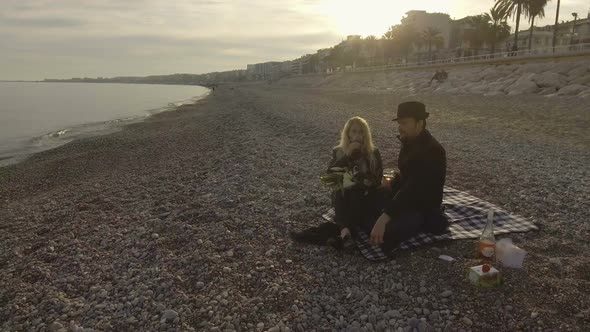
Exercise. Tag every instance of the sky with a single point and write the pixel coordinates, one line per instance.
(106, 38)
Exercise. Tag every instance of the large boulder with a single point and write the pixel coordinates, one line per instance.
(443, 87)
(573, 89)
(493, 93)
(478, 88)
(549, 79)
(548, 91)
(491, 74)
(523, 85)
(535, 68)
(582, 80)
(577, 71)
(499, 85)
(563, 68)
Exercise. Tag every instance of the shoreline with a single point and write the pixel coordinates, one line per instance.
(187, 215)
(65, 135)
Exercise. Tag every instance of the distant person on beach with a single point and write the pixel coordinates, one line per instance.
(514, 50)
(414, 198)
(439, 76)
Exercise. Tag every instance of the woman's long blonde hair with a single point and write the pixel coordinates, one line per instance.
(368, 145)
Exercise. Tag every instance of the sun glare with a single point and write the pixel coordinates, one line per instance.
(359, 18)
(372, 17)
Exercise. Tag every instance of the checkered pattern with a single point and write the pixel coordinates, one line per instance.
(467, 217)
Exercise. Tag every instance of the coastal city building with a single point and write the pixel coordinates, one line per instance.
(569, 34)
(422, 20)
(453, 38)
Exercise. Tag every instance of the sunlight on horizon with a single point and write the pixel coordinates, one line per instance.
(374, 17)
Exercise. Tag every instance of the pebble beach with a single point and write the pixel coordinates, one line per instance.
(180, 222)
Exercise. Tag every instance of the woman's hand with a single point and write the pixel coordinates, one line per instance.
(353, 148)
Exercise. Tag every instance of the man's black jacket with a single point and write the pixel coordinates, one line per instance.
(422, 163)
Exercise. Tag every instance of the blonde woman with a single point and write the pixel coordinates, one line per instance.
(358, 206)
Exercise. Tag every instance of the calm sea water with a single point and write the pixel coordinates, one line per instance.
(39, 116)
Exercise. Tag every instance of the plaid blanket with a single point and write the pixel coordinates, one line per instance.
(467, 217)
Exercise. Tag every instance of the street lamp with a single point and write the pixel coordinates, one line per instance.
(575, 15)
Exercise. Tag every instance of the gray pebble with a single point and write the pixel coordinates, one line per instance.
(168, 315)
(446, 293)
(393, 314)
(424, 327)
(55, 326)
(402, 295)
(466, 321)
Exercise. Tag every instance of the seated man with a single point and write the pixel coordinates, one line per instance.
(414, 203)
(358, 205)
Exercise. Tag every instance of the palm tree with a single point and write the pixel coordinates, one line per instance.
(371, 43)
(513, 8)
(555, 26)
(480, 28)
(575, 15)
(432, 36)
(403, 36)
(536, 8)
(499, 28)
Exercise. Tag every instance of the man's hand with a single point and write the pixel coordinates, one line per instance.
(379, 230)
(353, 147)
(344, 233)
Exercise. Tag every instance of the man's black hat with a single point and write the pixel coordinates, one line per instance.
(411, 109)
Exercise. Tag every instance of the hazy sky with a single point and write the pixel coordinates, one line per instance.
(77, 38)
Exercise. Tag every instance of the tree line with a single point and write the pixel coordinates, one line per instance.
(401, 40)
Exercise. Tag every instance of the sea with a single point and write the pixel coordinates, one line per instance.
(36, 116)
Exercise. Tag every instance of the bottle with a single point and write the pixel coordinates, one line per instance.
(486, 249)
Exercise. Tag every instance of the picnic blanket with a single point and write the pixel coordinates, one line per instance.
(467, 217)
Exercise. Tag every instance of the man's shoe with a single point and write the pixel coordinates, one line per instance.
(335, 242)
